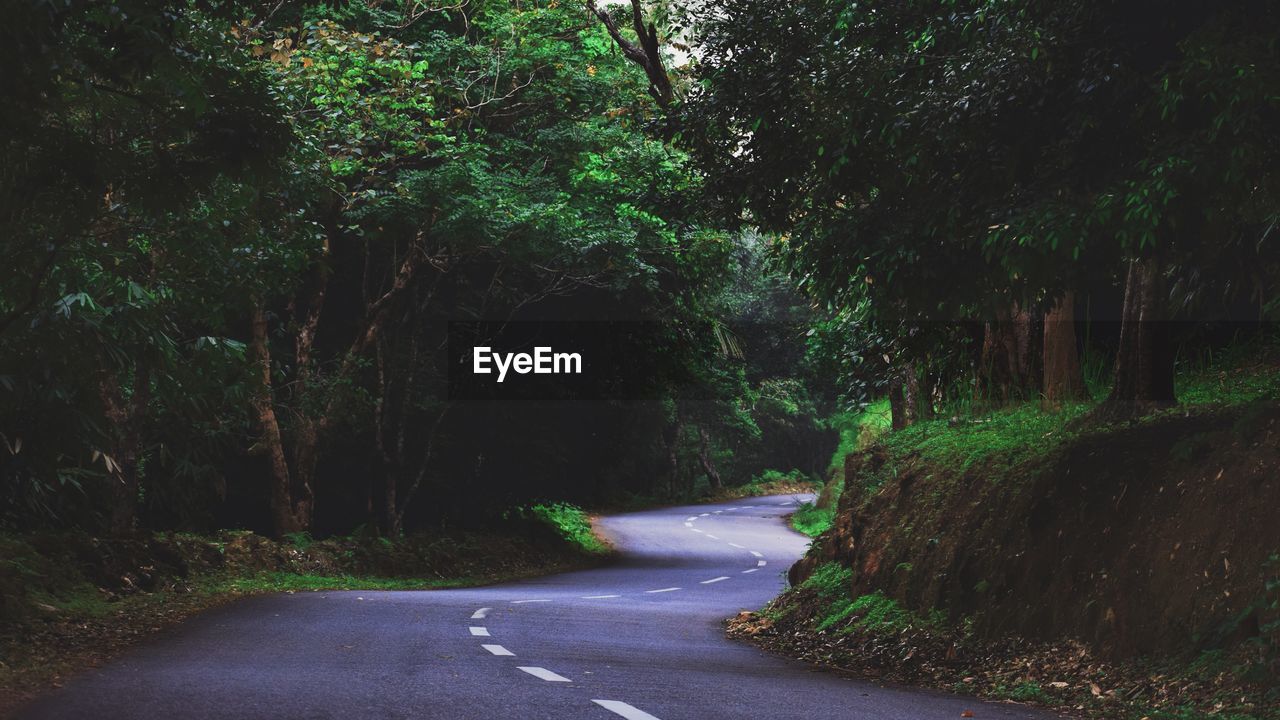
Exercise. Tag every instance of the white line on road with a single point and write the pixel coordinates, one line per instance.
(688, 524)
(753, 552)
(479, 631)
(737, 546)
(695, 530)
(705, 515)
(717, 512)
(713, 537)
(545, 674)
(625, 710)
(662, 590)
(691, 518)
(498, 650)
(744, 572)
(761, 563)
(479, 614)
(715, 580)
(599, 597)
(521, 602)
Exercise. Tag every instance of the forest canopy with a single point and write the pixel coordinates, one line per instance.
(238, 233)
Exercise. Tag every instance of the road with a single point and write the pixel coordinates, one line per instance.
(638, 639)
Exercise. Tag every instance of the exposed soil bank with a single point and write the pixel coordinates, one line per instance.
(1110, 569)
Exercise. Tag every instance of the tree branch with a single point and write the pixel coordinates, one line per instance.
(647, 55)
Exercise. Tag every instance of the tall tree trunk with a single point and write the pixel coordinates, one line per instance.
(704, 457)
(897, 405)
(1008, 370)
(913, 401)
(1063, 378)
(422, 469)
(671, 439)
(1145, 359)
(391, 464)
(125, 418)
(288, 514)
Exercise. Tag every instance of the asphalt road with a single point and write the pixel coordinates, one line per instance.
(638, 639)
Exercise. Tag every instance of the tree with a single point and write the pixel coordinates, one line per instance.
(1063, 378)
(954, 163)
(141, 152)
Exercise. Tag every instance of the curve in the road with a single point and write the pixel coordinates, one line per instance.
(641, 639)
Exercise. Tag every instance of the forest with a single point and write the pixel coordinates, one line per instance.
(920, 259)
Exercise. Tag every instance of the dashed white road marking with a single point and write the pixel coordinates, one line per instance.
(479, 631)
(479, 614)
(715, 580)
(627, 711)
(753, 552)
(717, 512)
(744, 572)
(737, 546)
(695, 530)
(691, 518)
(705, 515)
(498, 650)
(670, 589)
(521, 602)
(544, 674)
(713, 537)
(688, 524)
(599, 597)
(761, 563)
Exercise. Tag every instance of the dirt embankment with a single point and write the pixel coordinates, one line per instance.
(1154, 538)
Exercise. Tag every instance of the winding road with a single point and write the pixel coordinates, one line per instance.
(639, 639)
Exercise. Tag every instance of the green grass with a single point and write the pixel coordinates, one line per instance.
(1008, 436)
(1004, 438)
(572, 523)
(82, 600)
(859, 429)
(1025, 692)
(812, 520)
(1228, 386)
(295, 582)
(874, 613)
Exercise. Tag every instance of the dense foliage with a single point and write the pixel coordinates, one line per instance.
(238, 235)
(932, 164)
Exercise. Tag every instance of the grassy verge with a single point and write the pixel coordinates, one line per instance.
(1004, 439)
(68, 602)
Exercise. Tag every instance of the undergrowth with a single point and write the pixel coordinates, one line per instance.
(874, 613)
(573, 523)
(812, 520)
